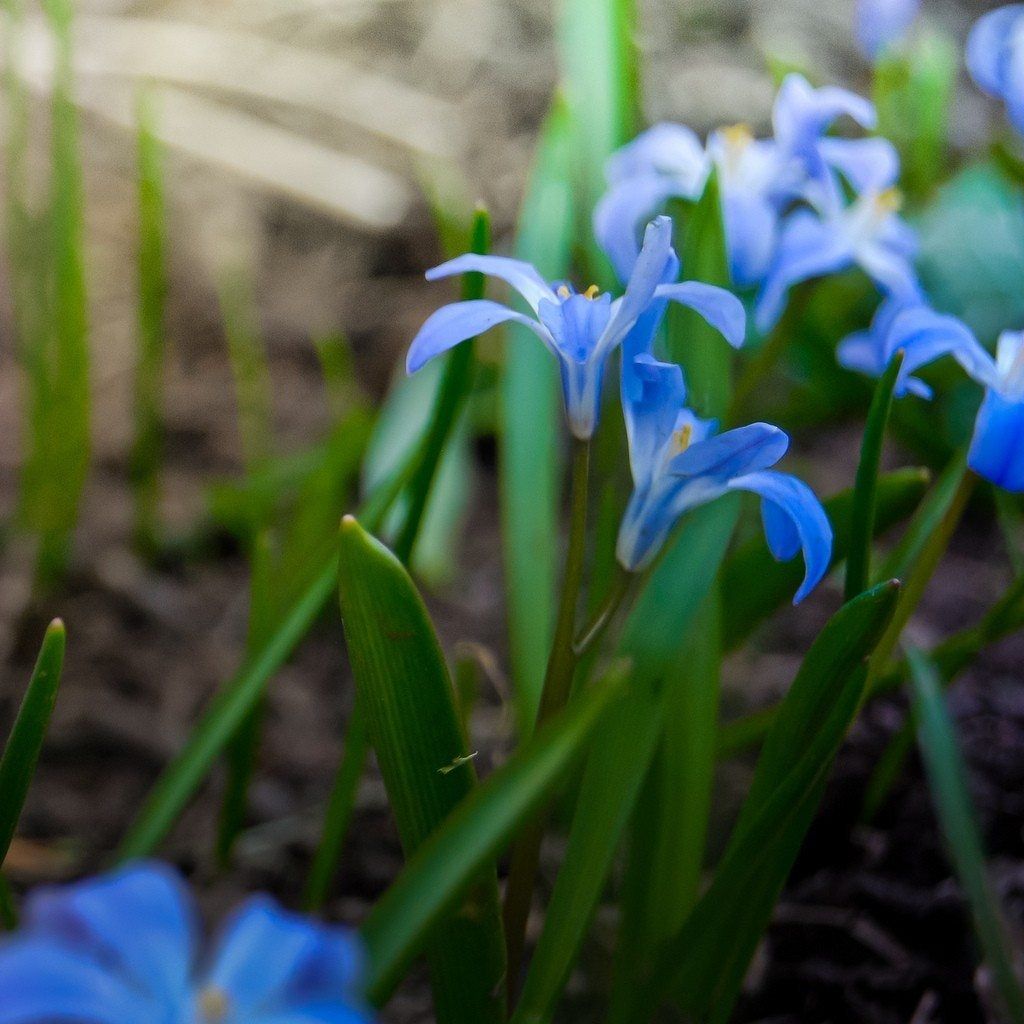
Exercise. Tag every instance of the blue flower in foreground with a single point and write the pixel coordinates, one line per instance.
(868, 233)
(121, 949)
(679, 462)
(922, 334)
(883, 23)
(581, 330)
(995, 58)
(997, 448)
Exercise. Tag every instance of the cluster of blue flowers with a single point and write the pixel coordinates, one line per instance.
(123, 949)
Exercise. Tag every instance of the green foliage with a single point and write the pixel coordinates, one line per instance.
(403, 685)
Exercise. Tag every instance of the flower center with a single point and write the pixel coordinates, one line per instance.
(888, 201)
(591, 293)
(214, 1005)
(681, 439)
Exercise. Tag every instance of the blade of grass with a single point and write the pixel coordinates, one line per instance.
(530, 416)
(404, 687)
(25, 740)
(862, 523)
(147, 448)
(947, 780)
(444, 868)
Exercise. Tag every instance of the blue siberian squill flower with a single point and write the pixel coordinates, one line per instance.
(867, 233)
(580, 330)
(122, 949)
(880, 24)
(995, 58)
(679, 462)
(997, 447)
(922, 334)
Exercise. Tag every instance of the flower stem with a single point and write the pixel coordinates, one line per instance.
(862, 522)
(558, 678)
(594, 629)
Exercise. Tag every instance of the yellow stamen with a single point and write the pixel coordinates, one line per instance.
(682, 437)
(591, 292)
(563, 291)
(889, 201)
(738, 136)
(214, 1005)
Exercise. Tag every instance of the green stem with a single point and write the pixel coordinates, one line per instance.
(594, 630)
(862, 521)
(558, 679)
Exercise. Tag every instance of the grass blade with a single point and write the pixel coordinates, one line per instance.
(18, 763)
(947, 780)
(403, 684)
(438, 875)
(147, 449)
(862, 522)
(530, 419)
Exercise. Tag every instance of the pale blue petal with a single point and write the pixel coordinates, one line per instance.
(41, 983)
(719, 307)
(520, 275)
(656, 257)
(793, 519)
(621, 213)
(802, 113)
(326, 1013)
(881, 23)
(460, 321)
(652, 395)
(869, 165)
(751, 223)
(997, 448)
(139, 921)
(269, 959)
(863, 353)
(988, 47)
(892, 271)
(1013, 86)
(925, 335)
(733, 453)
(669, 150)
(808, 247)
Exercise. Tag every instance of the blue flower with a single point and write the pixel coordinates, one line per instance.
(997, 448)
(122, 949)
(679, 462)
(581, 330)
(759, 178)
(883, 23)
(995, 58)
(868, 233)
(922, 334)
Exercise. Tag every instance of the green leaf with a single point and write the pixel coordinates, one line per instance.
(530, 425)
(403, 685)
(446, 865)
(705, 964)
(754, 584)
(147, 447)
(862, 522)
(25, 740)
(947, 780)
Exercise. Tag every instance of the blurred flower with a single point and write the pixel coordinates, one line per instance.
(581, 330)
(121, 949)
(997, 448)
(759, 179)
(922, 334)
(883, 23)
(995, 58)
(868, 233)
(679, 462)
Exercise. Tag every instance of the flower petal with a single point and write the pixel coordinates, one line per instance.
(862, 353)
(734, 453)
(987, 49)
(41, 982)
(460, 321)
(719, 307)
(869, 165)
(520, 275)
(269, 959)
(880, 23)
(997, 448)
(801, 113)
(751, 223)
(322, 1013)
(622, 211)
(793, 519)
(652, 395)
(138, 921)
(666, 149)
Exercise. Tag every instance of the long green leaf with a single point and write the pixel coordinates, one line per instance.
(18, 763)
(530, 419)
(403, 685)
(754, 584)
(947, 779)
(704, 965)
(445, 867)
